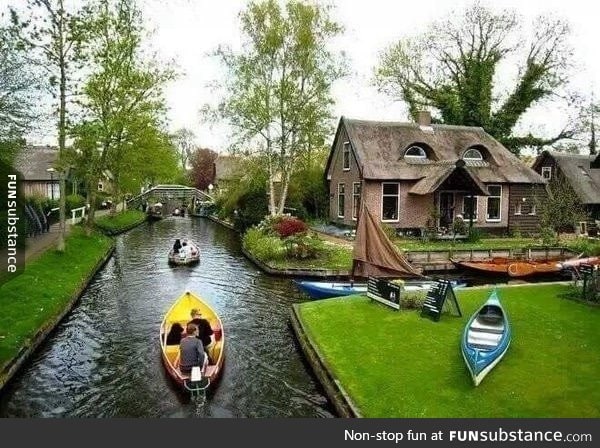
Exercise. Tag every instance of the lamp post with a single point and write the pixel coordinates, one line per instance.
(51, 171)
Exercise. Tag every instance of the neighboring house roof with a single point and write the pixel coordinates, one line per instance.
(33, 162)
(576, 168)
(227, 167)
(379, 149)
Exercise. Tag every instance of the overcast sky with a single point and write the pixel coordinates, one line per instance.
(185, 31)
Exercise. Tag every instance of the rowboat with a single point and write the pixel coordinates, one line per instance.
(192, 255)
(486, 338)
(155, 212)
(511, 267)
(576, 262)
(324, 290)
(180, 313)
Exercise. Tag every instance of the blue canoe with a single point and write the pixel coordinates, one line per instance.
(486, 338)
(325, 290)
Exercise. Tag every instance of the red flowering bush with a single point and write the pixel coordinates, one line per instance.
(289, 226)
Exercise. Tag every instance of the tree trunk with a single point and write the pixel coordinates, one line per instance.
(92, 211)
(284, 191)
(62, 134)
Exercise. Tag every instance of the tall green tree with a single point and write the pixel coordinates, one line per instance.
(18, 90)
(51, 32)
(278, 92)
(184, 140)
(123, 97)
(453, 68)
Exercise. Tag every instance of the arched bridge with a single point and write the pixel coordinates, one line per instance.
(174, 195)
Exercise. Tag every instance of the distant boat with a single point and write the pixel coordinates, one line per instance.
(155, 212)
(324, 290)
(511, 267)
(180, 313)
(486, 338)
(189, 256)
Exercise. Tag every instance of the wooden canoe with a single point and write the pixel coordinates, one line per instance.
(486, 338)
(180, 312)
(511, 267)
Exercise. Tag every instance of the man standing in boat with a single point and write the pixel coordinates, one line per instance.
(191, 350)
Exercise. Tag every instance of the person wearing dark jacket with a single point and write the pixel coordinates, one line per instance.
(176, 246)
(175, 334)
(191, 350)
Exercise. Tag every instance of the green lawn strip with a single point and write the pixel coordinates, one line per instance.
(397, 364)
(333, 257)
(31, 300)
(484, 244)
(113, 224)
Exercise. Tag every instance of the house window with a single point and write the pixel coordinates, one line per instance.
(341, 199)
(494, 203)
(346, 155)
(355, 199)
(532, 211)
(470, 208)
(100, 186)
(472, 154)
(53, 190)
(518, 208)
(415, 152)
(547, 172)
(390, 201)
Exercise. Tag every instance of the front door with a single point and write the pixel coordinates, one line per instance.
(446, 209)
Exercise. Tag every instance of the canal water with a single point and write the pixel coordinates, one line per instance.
(104, 358)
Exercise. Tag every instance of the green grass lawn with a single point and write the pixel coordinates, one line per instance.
(31, 300)
(333, 257)
(411, 244)
(113, 224)
(397, 364)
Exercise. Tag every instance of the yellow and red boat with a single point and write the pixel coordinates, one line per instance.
(180, 313)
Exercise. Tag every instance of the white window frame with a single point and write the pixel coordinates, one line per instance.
(473, 158)
(52, 190)
(532, 211)
(475, 208)
(547, 169)
(411, 156)
(487, 215)
(346, 150)
(356, 210)
(519, 208)
(340, 195)
(391, 195)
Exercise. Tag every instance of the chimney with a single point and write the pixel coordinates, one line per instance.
(424, 118)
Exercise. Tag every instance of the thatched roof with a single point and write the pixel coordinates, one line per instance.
(33, 162)
(227, 167)
(584, 179)
(379, 148)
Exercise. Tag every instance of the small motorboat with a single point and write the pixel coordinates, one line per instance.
(188, 254)
(180, 313)
(325, 290)
(178, 212)
(155, 212)
(511, 267)
(486, 338)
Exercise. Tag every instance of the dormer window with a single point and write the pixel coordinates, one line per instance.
(472, 154)
(346, 156)
(415, 152)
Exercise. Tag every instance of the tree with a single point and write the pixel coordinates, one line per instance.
(52, 32)
(453, 68)
(184, 141)
(17, 93)
(562, 209)
(203, 168)
(277, 94)
(123, 96)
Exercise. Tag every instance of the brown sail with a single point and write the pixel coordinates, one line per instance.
(374, 254)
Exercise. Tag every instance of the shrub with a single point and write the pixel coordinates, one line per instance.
(74, 201)
(412, 300)
(459, 227)
(304, 246)
(264, 247)
(289, 226)
(474, 235)
(548, 236)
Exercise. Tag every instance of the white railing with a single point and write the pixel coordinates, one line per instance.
(74, 213)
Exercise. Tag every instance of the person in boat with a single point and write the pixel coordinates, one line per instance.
(191, 350)
(184, 251)
(175, 334)
(204, 329)
(176, 246)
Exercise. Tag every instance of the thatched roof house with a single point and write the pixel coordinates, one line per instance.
(418, 175)
(36, 164)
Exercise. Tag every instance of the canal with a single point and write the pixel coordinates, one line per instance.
(104, 358)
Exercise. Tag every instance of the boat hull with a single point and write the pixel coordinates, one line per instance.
(180, 313)
(485, 341)
(512, 268)
(176, 259)
(325, 290)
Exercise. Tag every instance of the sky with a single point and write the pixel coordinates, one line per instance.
(187, 31)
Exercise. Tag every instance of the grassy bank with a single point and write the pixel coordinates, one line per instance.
(397, 364)
(31, 301)
(331, 257)
(120, 222)
(412, 244)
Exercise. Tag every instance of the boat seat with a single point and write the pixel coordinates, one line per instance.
(483, 326)
(484, 340)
